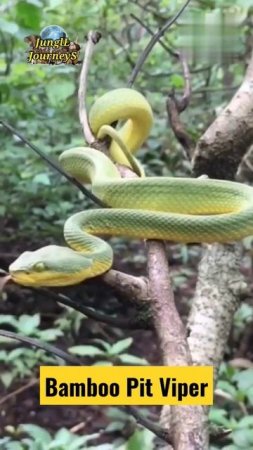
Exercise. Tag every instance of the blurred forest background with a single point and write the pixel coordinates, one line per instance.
(40, 101)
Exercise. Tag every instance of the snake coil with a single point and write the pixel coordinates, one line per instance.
(175, 209)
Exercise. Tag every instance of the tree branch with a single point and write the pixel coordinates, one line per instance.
(186, 425)
(219, 289)
(136, 288)
(31, 342)
(223, 145)
(53, 164)
(146, 27)
(92, 39)
(155, 38)
(129, 323)
(175, 107)
(147, 423)
(220, 285)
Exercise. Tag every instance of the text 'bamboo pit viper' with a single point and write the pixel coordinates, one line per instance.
(175, 209)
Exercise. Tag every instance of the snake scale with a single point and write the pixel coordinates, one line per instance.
(175, 209)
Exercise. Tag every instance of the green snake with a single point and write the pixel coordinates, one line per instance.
(174, 209)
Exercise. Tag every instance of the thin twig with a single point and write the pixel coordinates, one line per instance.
(184, 101)
(149, 424)
(3, 281)
(80, 426)
(152, 11)
(155, 38)
(92, 39)
(31, 342)
(146, 27)
(19, 390)
(176, 106)
(124, 49)
(54, 165)
(133, 323)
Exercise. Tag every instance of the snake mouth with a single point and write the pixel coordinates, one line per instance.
(25, 278)
(21, 276)
(46, 279)
(13, 272)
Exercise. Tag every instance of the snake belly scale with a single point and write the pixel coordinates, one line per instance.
(175, 209)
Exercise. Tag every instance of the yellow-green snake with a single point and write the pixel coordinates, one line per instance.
(175, 209)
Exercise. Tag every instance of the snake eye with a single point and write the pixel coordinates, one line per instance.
(39, 267)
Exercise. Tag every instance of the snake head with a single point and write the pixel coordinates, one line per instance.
(50, 266)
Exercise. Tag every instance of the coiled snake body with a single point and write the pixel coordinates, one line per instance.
(175, 209)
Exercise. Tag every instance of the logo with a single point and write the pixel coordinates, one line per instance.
(52, 46)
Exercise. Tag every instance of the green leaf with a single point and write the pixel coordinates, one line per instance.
(2, 210)
(139, 440)
(28, 15)
(218, 416)
(51, 334)
(63, 438)
(16, 353)
(42, 178)
(39, 434)
(8, 27)
(79, 441)
(132, 359)
(244, 379)
(102, 447)
(14, 445)
(114, 426)
(120, 346)
(28, 324)
(59, 90)
(227, 387)
(246, 422)
(102, 343)
(249, 395)
(85, 350)
(228, 447)
(243, 438)
(177, 81)
(7, 378)
(8, 320)
(4, 440)
(3, 355)
(102, 363)
(35, 2)
(54, 4)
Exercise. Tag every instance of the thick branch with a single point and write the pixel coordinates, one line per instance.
(221, 148)
(185, 424)
(220, 285)
(219, 289)
(135, 288)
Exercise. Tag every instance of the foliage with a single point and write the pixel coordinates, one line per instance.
(39, 439)
(236, 387)
(113, 354)
(21, 362)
